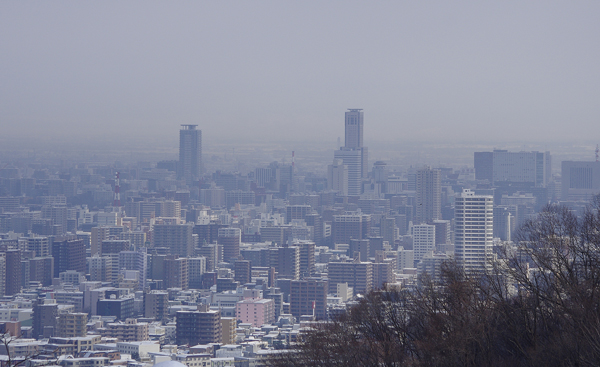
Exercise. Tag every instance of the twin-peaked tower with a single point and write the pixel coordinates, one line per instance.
(353, 154)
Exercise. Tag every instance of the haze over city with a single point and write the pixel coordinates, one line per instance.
(438, 72)
(292, 184)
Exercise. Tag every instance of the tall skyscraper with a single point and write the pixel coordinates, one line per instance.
(474, 222)
(354, 128)
(429, 195)
(353, 154)
(190, 153)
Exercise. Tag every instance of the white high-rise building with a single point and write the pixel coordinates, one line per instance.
(473, 234)
(405, 258)
(423, 240)
(190, 153)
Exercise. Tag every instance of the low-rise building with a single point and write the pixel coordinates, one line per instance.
(127, 331)
(140, 348)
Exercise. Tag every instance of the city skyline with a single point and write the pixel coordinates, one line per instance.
(179, 186)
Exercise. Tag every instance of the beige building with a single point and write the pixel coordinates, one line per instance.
(72, 325)
(229, 325)
(128, 331)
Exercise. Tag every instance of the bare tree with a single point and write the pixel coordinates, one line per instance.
(21, 360)
(539, 305)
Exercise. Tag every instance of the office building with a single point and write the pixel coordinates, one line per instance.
(432, 264)
(352, 159)
(423, 240)
(196, 269)
(58, 215)
(309, 297)
(190, 165)
(196, 327)
(389, 231)
(473, 234)
(121, 308)
(257, 312)
(44, 319)
(383, 272)
(242, 271)
(380, 175)
(100, 268)
(2, 271)
(286, 261)
(307, 258)
(136, 261)
(297, 212)
(405, 258)
(100, 234)
(580, 180)
(354, 123)
(361, 248)
(41, 269)
(72, 325)
(429, 195)
(12, 275)
(353, 154)
(349, 226)
(39, 245)
(176, 273)
(156, 305)
(502, 166)
(213, 253)
(176, 237)
(114, 246)
(337, 177)
(358, 275)
(68, 254)
(504, 222)
(315, 221)
(228, 325)
(128, 331)
(442, 232)
(230, 239)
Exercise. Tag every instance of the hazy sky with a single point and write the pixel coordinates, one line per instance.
(421, 70)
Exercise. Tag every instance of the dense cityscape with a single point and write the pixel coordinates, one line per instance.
(154, 262)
